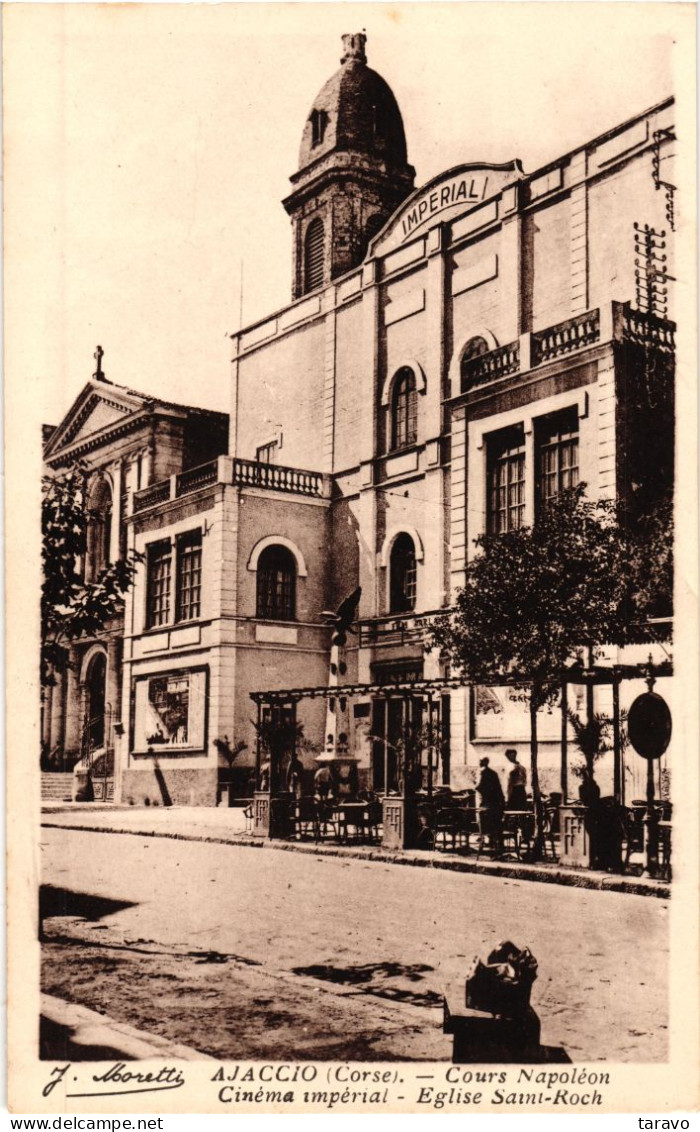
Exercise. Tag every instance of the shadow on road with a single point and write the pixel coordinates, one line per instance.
(56, 1044)
(64, 902)
(373, 978)
(85, 906)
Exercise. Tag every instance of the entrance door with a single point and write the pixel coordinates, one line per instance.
(396, 722)
(96, 702)
(96, 731)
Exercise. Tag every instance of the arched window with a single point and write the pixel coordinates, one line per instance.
(313, 255)
(99, 529)
(402, 575)
(474, 349)
(372, 227)
(95, 694)
(404, 409)
(319, 121)
(276, 589)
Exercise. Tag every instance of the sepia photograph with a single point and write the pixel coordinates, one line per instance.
(350, 417)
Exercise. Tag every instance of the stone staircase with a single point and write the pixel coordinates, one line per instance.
(56, 786)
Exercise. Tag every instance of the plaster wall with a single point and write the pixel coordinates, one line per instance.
(347, 378)
(489, 300)
(280, 386)
(614, 204)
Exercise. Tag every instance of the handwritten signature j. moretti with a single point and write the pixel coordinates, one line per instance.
(117, 1081)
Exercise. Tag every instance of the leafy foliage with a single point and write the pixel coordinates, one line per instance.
(593, 736)
(70, 606)
(418, 737)
(651, 560)
(535, 596)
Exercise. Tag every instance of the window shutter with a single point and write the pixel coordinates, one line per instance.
(313, 255)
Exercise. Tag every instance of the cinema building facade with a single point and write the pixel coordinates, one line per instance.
(452, 357)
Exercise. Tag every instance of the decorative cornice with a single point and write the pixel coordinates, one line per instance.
(85, 411)
(68, 454)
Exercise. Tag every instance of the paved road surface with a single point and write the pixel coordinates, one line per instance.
(367, 936)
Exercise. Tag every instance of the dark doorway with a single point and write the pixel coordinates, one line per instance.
(96, 701)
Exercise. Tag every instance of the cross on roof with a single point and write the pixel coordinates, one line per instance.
(98, 355)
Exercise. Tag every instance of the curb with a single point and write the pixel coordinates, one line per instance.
(599, 882)
(106, 1038)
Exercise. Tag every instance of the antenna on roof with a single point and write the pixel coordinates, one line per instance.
(240, 298)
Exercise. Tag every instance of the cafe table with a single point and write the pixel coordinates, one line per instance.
(356, 814)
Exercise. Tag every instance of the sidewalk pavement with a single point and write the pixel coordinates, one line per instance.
(69, 1032)
(227, 826)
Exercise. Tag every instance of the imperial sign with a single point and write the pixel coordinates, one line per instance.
(451, 194)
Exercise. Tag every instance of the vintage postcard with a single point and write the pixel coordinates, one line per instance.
(351, 556)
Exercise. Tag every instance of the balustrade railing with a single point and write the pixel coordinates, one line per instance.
(573, 334)
(245, 473)
(194, 478)
(151, 496)
(646, 329)
(489, 367)
(251, 473)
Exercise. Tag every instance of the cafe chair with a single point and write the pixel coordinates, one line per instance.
(368, 822)
(447, 826)
(632, 834)
(330, 819)
(249, 815)
(549, 821)
(427, 826)
(305, 818)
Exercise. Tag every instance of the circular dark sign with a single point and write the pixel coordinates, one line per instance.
(649, 725)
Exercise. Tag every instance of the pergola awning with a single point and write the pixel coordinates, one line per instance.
(575, 674)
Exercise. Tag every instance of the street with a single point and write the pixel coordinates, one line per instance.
(252, 953)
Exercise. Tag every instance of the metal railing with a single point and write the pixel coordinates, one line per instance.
(96, 734)
(396, 628)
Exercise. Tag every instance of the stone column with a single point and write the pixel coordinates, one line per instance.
(112, 686)
(116, 511)
(47, 717)
(57, 712)
(74, 713)
(367, 503)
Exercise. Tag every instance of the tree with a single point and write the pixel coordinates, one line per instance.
(534, 596)
(70, 606)
(651, 560)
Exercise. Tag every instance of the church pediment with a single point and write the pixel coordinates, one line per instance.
(458, 191)
(92, 412)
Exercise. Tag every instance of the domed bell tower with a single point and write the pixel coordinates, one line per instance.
(353, 171)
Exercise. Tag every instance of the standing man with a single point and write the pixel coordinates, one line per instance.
(295, 776)
(517, 783)
(491, 805)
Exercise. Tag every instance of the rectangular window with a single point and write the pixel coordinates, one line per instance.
(506, 481)
(557, 454)
(189, 576)
(267, 453)
(170, 711)
(158, 587)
